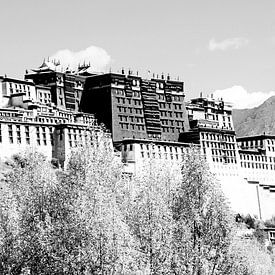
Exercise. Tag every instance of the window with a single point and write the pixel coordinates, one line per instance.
(38, 135)
(27, 134)
(44, 136)
(18, 133)
(10, 133)
(70, 138)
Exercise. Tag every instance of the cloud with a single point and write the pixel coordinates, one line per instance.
(97, 56)
(230, 43)
(241, 98)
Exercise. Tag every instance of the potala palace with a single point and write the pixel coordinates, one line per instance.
(52, 110)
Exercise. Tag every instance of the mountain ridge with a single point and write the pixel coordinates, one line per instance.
(255, 121)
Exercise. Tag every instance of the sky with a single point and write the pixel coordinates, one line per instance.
(224, 48)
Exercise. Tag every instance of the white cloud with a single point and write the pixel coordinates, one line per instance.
(97, 56)
(241, 98)
(230, 43)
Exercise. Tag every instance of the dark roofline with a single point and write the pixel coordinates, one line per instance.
(42, 86)
(160, 142)
(43, 72)
(124, 76)
(216, 130)
(255, 137)
(269, 228)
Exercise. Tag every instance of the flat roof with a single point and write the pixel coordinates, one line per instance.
(260, 137)
(160, 142)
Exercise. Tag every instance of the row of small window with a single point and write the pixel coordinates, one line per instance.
(133, 82)
(44, 97)
(74, 139)
(229, 126)
(171, 114)
(153, 149)
(161, 156)
(221, 152)
(166, 148)
(224, 160)
(159, 85)
(218, 137)
(131, 119)
(75, 135)
(251, 143)
(218, 145)
(271, 141)
(257, 165)
(122, 93)
(211, 116)
(50, 120)
(271, 149)
(123, 100)
(129, 126)
(63, 114)
(16, 136)
(172, 122)
(16, 91)
(171, 129)
(75, 131)
(41, 137)
(129, 110)
(169, 105)
(8, 114)
(19, 86)
(174, 97)
(216, 117)
(257, 158)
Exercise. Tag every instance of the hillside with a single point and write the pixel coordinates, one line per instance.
(257, 120)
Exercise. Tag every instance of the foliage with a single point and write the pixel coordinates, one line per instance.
(203, 220)
(149, 216)
(93, 219)
(250, 257)
(26, 202)
(255, 225)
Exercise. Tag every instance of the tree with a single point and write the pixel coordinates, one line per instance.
(93, 219)
(55, 222)
(203, 220)
(93, 176)
(148, 214)
(25, 203)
